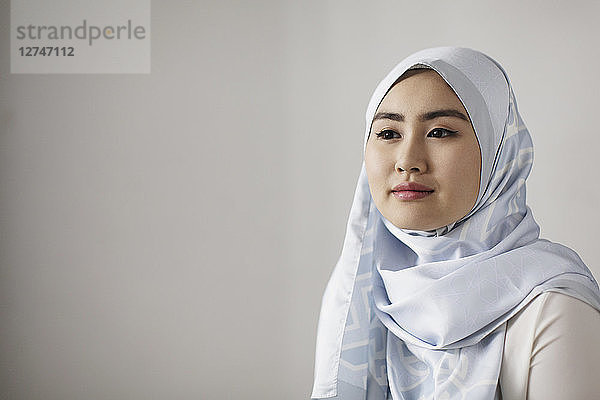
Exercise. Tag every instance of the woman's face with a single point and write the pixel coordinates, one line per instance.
(421, 133)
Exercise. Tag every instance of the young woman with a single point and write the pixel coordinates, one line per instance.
(444, 289)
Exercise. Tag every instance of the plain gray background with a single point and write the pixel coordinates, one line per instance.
(169, 236)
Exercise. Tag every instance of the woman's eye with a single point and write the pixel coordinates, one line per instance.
(441, 132)
(387, 134)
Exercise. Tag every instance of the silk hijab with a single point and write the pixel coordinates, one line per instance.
(422, 314)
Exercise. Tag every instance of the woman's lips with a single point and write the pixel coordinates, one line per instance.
(412, 186)
(411, 191)
(410, 194)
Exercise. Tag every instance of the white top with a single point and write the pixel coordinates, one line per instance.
(552, 351)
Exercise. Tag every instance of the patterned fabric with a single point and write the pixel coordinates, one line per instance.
(422, 314)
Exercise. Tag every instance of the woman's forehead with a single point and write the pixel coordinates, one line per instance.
(418, 90)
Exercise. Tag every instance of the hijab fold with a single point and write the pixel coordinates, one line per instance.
(411, 314)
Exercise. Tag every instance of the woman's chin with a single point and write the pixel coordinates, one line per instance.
(415, 226)
(415, 222)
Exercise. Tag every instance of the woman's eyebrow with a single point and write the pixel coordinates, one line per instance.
(448, 112)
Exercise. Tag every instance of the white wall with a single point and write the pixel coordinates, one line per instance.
(170, 235)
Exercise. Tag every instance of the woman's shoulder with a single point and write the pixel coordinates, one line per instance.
(552, 310)
(548, 306)
(553, 334)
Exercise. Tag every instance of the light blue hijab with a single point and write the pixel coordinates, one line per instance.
(422, 314)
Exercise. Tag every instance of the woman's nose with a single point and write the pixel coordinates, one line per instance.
(411, 157)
